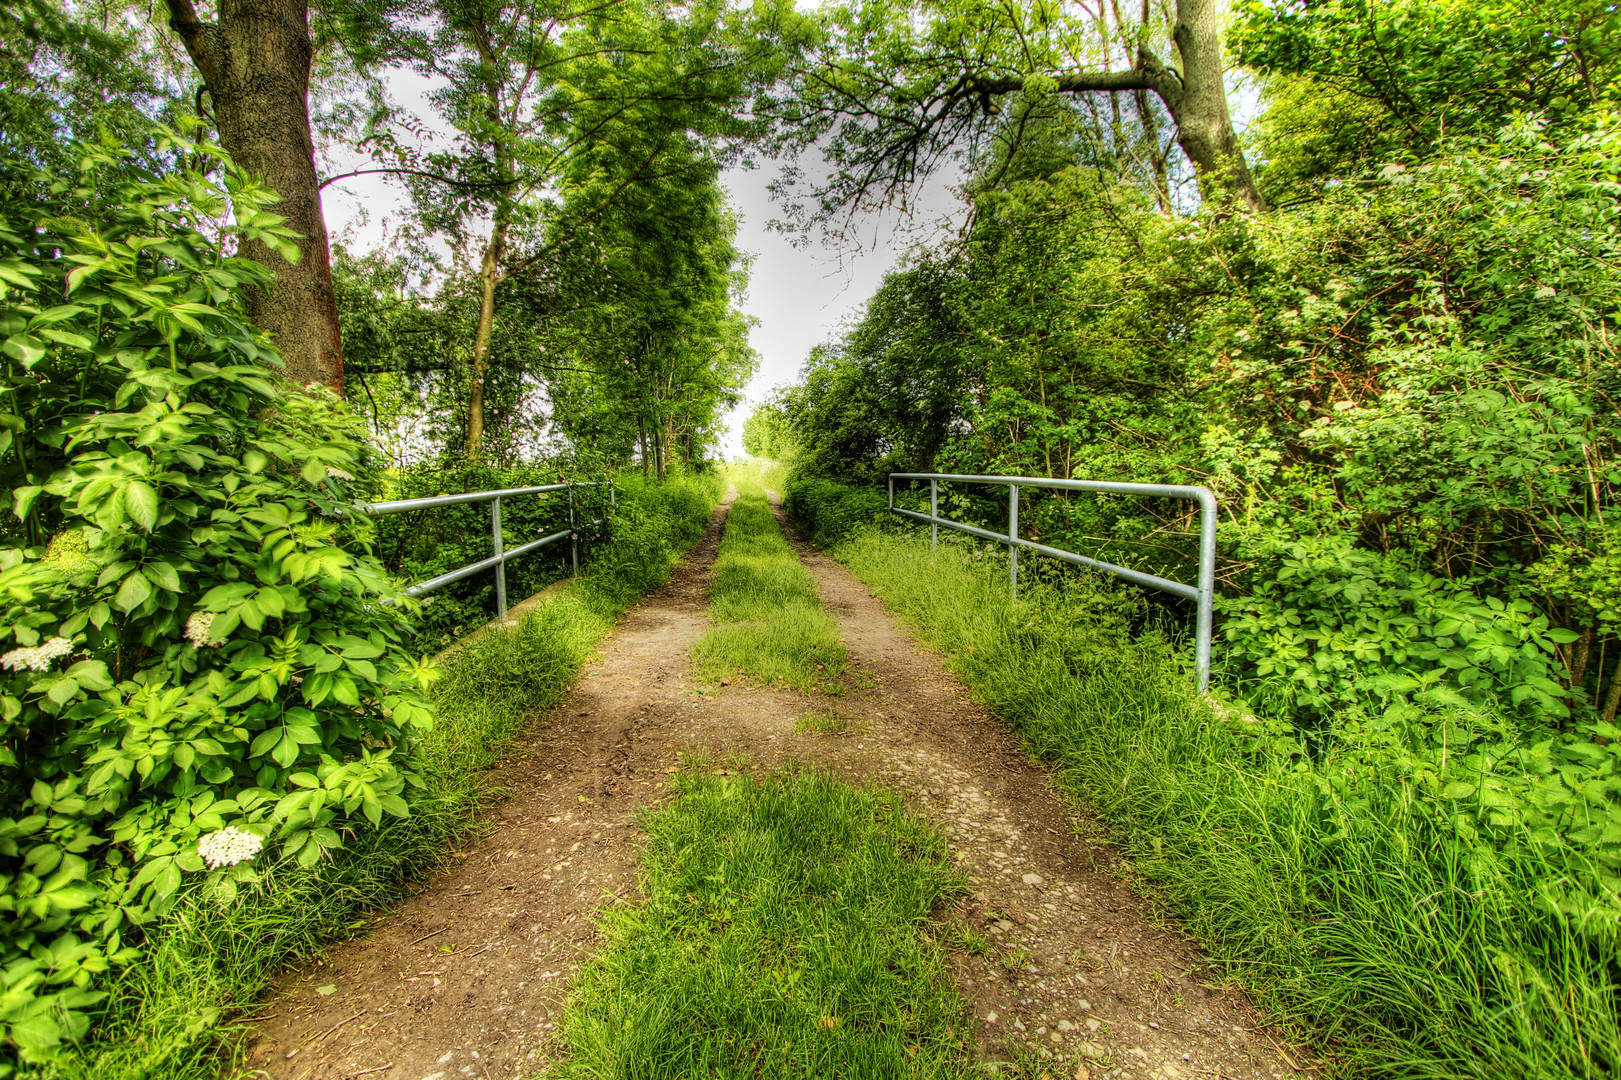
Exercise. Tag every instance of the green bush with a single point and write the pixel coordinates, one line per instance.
(1332, 625)
(201, 662)
(828, 512)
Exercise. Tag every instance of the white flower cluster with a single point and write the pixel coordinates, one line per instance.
(197, 629)
(38, 658)
(333, 470)
(228, 846)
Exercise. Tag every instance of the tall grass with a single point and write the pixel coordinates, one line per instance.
(166, 1014)
(781, 936)
(1410, 947)
(769, 620)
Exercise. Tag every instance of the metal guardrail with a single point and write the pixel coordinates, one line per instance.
(1202, 594)
(499, 559)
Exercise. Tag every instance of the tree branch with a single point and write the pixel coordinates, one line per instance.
(196, 35)
(473, 184)
(1149, 74)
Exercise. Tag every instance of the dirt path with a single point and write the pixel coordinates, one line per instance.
(468, 976)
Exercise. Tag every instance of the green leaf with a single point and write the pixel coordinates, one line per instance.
(286, 752)
(141, 504)
(133, 593)
(26, 349)
(35, 1033)
(162, 575)
(92, 675)
(63, 690)
(22, 499)
(1562, 636)
(343, 690)
(250, 615)
(167, 882)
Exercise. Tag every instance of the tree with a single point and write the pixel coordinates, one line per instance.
(890, 96)
(767, 434)
(647, 309)
(255, 62)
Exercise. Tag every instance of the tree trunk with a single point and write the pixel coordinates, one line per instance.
(489, 277)
(255, 62)
(1204, 128)
(1612, 700)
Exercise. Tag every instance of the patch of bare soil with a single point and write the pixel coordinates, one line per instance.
(468, 976)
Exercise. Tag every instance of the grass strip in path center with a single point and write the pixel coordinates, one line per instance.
(769, 621)
(781, 936)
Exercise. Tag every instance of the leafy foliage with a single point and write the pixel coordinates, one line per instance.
(182, 535)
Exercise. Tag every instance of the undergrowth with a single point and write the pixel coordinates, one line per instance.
(180, 1013)
(770, 624)
(1414, 936)
(781, 935)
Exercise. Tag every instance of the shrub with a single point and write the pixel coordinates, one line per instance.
(202, 664)
(828, 512)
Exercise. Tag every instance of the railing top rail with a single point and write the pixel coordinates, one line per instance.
(400, 506)
(1177, 491)
(1203, 593)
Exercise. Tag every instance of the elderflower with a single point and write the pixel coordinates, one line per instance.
(197, 628)
(38, 658)
(333, 470)
(228, 846)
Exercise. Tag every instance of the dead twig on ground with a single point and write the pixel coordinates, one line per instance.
(425, 937)
(335, 1027)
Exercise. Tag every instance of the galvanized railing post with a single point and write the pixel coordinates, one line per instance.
(892, 493)
(934, 512)
(1012, 539)
(574, 536)
(1207, 588)
(500, 567)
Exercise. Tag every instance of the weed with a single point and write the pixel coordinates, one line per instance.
(965, 938)
(1014, 960)
(781, 936)
(823, 722)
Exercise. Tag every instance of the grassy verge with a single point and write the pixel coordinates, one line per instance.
(204, 963)
(1347, 898)
(781, 936)
(770, 624)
